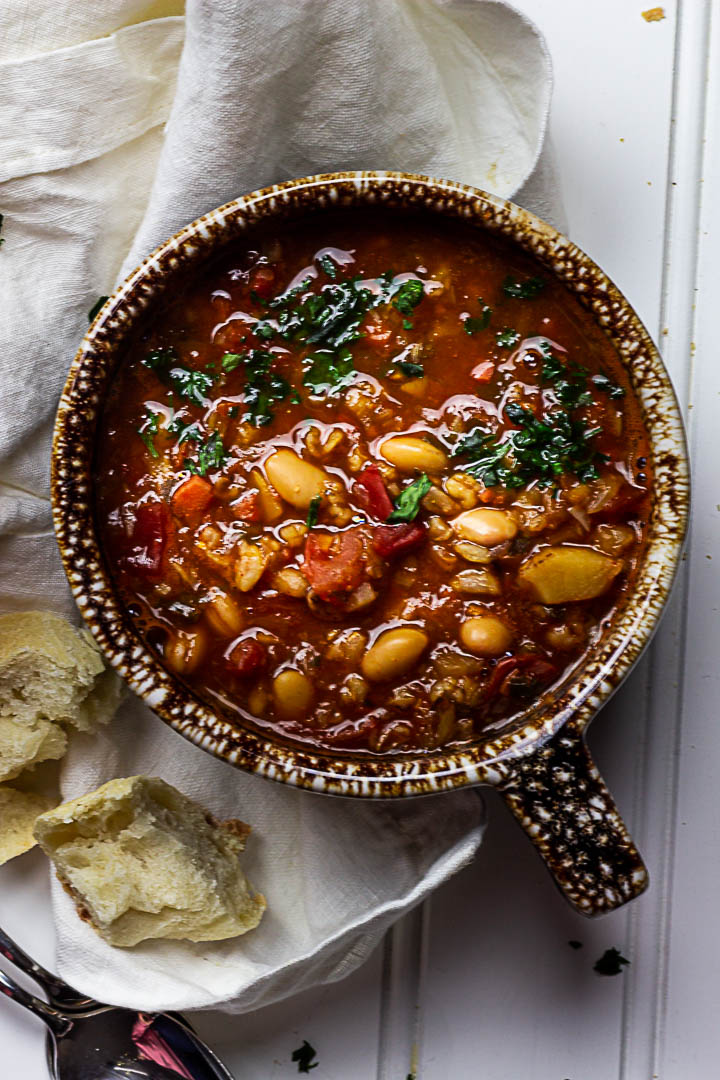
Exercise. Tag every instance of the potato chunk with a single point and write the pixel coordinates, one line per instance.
(559, 575)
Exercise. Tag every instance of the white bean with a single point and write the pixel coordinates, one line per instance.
(485, 635)
(485, 525)
(394, 653)
(292, 693)
(412, 454)
(296, 480)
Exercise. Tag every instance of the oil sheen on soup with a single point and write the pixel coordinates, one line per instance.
(372, 482)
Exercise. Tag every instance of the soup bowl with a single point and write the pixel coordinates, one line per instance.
(539, 761)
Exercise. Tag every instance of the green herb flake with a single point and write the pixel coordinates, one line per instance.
(97, 306)
(540, 451)
(263, 389)
(159, 360)
(410, 368)
(210, 455)
(408, 296)
(328, 372)
(407, 324)
(610, 963)
(610, 388)
(507, 338)
(407, 504)
(295, 396)
(190, 384)
(522, 288)
(149, 429)
(313, 511)
(231, 360)
(304, 1057)
(264, 330)
(326, 263)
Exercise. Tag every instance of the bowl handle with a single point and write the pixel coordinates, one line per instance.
(562, 803)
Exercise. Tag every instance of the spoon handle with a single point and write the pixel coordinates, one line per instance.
(58, 991)
(57, 1023)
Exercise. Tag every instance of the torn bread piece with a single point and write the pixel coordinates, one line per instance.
(19, 811)
(141, 860)
(52, 677)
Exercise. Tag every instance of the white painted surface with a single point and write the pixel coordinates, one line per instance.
(482, 982)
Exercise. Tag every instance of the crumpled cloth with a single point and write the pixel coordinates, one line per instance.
(120, 121)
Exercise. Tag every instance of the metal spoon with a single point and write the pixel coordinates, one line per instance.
(87, 1040)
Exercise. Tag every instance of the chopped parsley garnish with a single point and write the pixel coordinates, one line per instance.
(313, 511)
(326, 263)
(264, 331)
(210, 455)
(148, 430)
(187, 431)
(507, 338)
(522, 288)
(610, 963)
(264, 387)
(329, 371)
(407, 504)
(410, 368)
(408, 296)
(231, 360)
(610, 388)
(159, 360)
(304, 1057)
(95, 309)
(541, 450)
(190, 384)
(329, 319)
(473, 324)
(407, 324)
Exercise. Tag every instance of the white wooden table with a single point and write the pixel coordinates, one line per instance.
(481, 983)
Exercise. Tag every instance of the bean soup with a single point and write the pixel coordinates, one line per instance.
(373, 482)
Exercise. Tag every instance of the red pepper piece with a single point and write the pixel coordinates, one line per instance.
(148, 538)
(336, 567)
(534, 667)
(262, 280)
(247, 658)
(192, 497)
(247, 506)
(374, 493)
(390, 541)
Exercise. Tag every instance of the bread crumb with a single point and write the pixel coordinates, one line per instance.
(654, 14)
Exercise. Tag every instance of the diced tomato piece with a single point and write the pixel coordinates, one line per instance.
(148, 537)
(247, 657)
(533, 668)
(336, 567)
(374, 493)
(484, 371)
(390, 541)
(192, 497)
(262, 280)
(247, 506)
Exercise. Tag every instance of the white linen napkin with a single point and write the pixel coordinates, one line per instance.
(454, 88)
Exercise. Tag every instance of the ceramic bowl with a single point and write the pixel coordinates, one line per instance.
(540, 763)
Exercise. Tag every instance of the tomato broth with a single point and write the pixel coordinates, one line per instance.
(371, 481)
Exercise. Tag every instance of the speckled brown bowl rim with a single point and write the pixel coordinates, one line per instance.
(583, 691)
